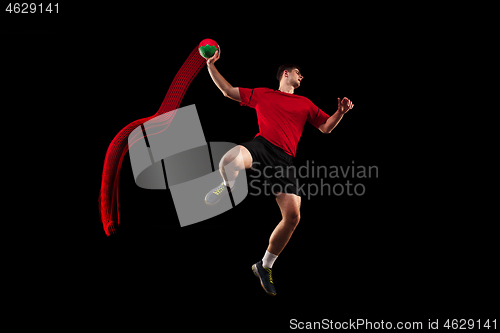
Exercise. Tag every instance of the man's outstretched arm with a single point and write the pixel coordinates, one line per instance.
(227, 89)
(343, 106)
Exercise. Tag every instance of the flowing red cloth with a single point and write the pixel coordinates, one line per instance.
(108, 195)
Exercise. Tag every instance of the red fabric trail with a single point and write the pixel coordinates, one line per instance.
(108, 195)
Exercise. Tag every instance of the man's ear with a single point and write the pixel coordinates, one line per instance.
(285, 73)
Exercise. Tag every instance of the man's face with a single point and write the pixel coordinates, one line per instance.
(294, 77)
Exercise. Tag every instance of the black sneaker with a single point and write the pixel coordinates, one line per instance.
(217, 193)
(265, 276)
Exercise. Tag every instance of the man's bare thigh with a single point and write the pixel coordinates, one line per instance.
(289, 204)
(238, 157)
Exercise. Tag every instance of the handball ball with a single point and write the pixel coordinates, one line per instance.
(207, 48)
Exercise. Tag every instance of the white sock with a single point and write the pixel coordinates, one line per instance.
(268, 259)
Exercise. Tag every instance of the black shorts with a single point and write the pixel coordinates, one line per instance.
(271, 168)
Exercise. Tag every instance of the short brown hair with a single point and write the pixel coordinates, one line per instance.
(285, 67)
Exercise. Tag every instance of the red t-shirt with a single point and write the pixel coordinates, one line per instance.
(282, 116)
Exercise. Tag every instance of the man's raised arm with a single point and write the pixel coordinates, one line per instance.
(227, 89)
(343, 106)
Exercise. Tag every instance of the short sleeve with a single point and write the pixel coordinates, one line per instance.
(317, 117)
(248, 98)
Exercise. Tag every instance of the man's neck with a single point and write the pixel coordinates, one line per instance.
(286, 88)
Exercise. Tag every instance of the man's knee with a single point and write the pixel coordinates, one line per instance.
(292, 219)
(232, 160)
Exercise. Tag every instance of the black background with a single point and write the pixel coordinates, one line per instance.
(75, 79)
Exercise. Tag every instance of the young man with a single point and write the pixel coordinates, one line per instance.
(281, 116)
